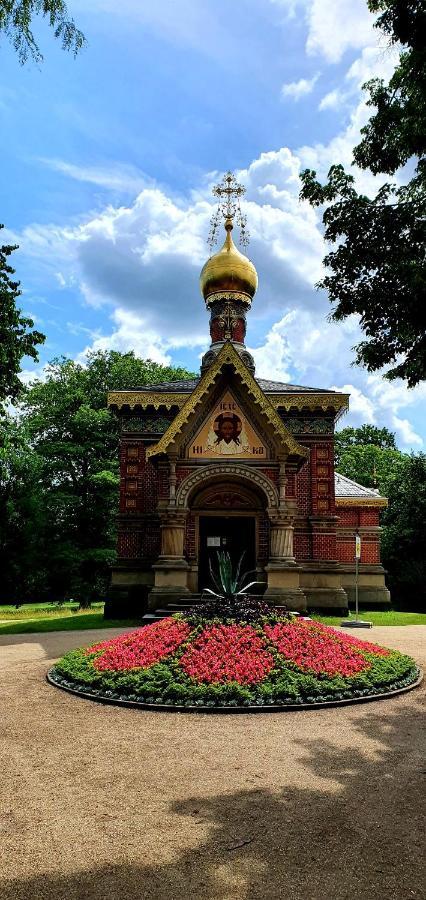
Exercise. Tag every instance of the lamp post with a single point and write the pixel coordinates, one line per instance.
(357, 622)
(357, 559)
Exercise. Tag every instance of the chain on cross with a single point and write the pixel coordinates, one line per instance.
(228, 192)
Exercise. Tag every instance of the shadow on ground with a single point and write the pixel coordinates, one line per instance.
(357, 834)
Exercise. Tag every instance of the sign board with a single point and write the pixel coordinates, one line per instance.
(357, 547)
(213, 541)
(227, 432)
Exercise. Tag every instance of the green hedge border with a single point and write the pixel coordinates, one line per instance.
(109, 697)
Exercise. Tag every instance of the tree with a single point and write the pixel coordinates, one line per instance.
(65, 477)
(22, 520)
(16, 18)
(16, 340)
(402, 479)
(366, 434)
(377, 270)
(404, 533)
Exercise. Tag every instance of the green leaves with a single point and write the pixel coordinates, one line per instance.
(377, 270)
(59, 478)
(16, 17)
(16, 338)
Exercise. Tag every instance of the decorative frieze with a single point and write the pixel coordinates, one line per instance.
(309, 426)
(145, 424)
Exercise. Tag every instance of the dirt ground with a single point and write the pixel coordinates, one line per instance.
(116, 804)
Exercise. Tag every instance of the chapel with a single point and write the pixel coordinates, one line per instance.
(235, 462)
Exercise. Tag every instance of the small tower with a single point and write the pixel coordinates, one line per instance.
(228, 280)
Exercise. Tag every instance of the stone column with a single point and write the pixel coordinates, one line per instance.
(172, 537)
(281, 547)
(171, 569)
(282, 570)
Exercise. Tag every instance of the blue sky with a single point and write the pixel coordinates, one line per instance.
(108, 162)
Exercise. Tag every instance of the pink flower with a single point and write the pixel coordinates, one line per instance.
(317, 648)
(141, 648)
(224, 653)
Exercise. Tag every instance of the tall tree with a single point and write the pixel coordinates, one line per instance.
(67, 442)
(16, 338)
(369, 456)
(16, 21)
(404, 534)
(23, 515)
(377, 270)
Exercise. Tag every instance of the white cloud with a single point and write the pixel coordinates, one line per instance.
(140, 262)
(130, 333)
(304, 348)
(333, 100)
(298, 89)
(333, 26)
(116, 177)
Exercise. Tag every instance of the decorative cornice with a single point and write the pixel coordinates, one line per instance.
(362, 501)
(228, 295)
(145, 399)
(228, 356)
(338, 402)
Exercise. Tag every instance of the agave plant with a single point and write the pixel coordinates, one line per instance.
(227, 583)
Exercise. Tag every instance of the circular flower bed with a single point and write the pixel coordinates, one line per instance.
(185, 661)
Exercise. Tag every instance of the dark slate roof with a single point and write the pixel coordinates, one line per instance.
(345, 487)
(269, 387)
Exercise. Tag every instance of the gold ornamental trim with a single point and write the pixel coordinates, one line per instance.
(338, 402)
(362, 501)
(145, 399)
(227, 355)
(310, 401)
(227, 296)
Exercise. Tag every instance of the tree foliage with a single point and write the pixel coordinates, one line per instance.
(377, 270)
(369, 456)
(404, 533)
(16, 21)
(59, 478)
(16, 340)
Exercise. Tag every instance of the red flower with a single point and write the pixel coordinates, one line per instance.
(317, 648)
(225, 653)
(141, 648)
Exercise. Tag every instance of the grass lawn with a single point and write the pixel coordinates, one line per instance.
(39, 617)
(69, 621)
(378, 617)
(34, 610)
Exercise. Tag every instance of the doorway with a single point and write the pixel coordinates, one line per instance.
(234, 534)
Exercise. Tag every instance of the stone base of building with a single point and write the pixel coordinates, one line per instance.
(322, 584)
(170, 582)
(283, 587)
(372, 590)
(128, 592)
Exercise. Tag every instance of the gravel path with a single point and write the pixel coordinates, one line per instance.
(113, 804)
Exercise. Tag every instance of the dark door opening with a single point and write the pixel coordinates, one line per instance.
(236, 534)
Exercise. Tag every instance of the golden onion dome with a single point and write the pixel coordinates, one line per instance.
(228, 271)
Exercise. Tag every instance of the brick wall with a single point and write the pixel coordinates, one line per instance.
(349, 520)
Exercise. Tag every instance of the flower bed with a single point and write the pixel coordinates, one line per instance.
(187, 662)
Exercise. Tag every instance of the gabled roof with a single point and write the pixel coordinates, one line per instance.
(228, 356)
(267, 386)
(350, 493)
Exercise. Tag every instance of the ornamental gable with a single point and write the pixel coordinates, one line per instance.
(227, 432)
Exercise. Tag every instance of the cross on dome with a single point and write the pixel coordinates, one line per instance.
(228, 192)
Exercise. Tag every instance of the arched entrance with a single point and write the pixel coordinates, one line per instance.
(229, 515)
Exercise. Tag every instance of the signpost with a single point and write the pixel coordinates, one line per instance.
(357, 622)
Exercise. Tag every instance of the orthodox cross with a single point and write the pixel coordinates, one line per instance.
(227, 319)
(228, 192)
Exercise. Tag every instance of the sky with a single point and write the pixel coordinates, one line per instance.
(109, 160)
